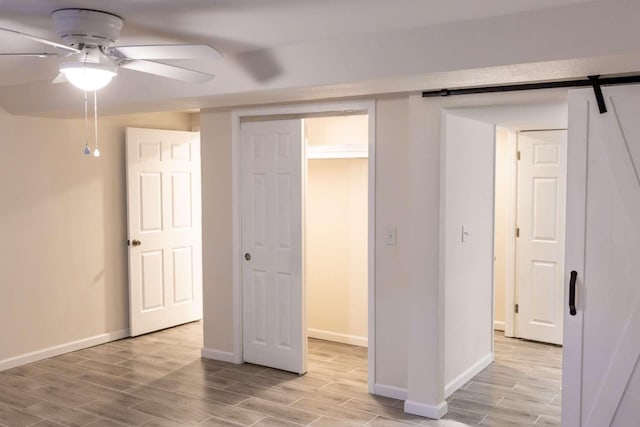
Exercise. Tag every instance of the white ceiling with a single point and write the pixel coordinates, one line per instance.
(276, 45)
(518, 117)
(242, 25)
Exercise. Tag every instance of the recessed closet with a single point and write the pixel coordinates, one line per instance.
(336, 212)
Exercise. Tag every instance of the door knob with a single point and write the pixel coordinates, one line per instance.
(136, 243)
(247, 256)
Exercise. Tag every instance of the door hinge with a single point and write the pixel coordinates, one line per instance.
(517, 231)
(516, 309)
(518, 155)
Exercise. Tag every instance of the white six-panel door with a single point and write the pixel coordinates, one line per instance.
(540, 245)
(164, 221)
(274, 323)
(601, 376)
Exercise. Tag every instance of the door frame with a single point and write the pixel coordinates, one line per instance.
(510, 243)
(301, 110)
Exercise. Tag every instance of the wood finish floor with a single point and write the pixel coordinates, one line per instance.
(159, 380)
(521, 388)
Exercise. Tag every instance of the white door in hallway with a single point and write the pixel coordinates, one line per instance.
(540, 242)
(164, 222)
(274, 320)
(601, 375)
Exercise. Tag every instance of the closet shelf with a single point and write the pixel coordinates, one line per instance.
(344, 151)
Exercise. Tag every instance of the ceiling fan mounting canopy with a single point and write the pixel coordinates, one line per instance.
(79, 27)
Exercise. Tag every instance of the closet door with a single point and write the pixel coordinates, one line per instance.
(274, 320)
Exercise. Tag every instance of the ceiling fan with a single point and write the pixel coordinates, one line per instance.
(89, 58)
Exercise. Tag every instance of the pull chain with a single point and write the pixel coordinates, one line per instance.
(87, 150)
(96, 152)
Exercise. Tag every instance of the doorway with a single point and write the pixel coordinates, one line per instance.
(469, 178)
(530, 205)
(336, 228)
(245, 343)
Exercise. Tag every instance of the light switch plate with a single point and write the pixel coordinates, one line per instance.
(466, 235)
(390, 236)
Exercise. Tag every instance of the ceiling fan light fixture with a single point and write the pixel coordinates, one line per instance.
(88, 76)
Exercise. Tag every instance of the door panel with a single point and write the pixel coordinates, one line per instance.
(274, 327)
(183, 275)
(540, 246)
(163, 191)
(181, 208)
(150, 202)
(152, 280)
(601, 386)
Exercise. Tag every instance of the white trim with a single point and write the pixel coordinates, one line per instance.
(237, 235)
(337, 337)
(57, 350)
(510, 244)
(498, 325)
(368, 106)
(304, 184)
(390, 391)
(346, 151)
(464, 377)
(223, 356)
(577, 182)
(429, 411)
(371, 253)
(492, 262)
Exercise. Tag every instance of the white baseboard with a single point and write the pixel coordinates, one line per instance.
(223, 356)
(498, 325)
(57, 350)
(337, 337)
(390, 391)
(467, 375)
(430, 411)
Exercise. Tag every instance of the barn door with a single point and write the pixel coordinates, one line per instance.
(273, 324)
(601, 377)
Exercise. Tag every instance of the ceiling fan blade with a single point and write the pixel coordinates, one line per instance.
(36, 55)
(41, 40)
(168, 71)
(169, 51)
(60, 78)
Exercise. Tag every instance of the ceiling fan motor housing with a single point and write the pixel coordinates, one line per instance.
(89, 27)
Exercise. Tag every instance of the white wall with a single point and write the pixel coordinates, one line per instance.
(63, 253)
(336, 228)
(468, 185)
(336, 249)
(341, 130)
(217, 231)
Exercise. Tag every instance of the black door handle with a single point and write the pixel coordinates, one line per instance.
(572, 293)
